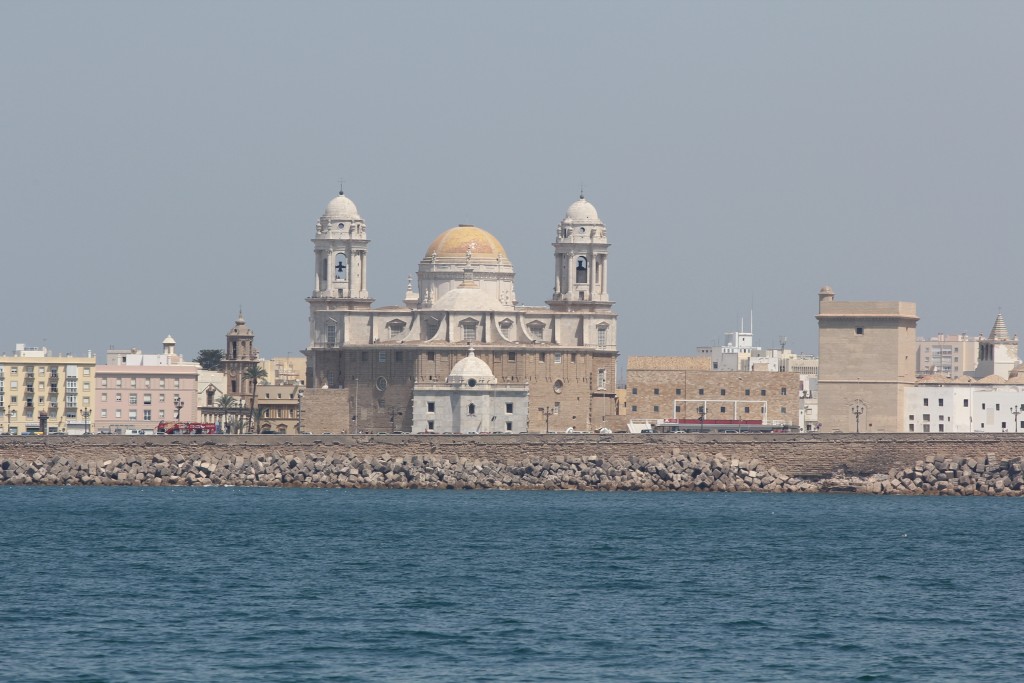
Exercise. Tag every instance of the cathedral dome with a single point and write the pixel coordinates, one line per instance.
(454, 243)
(582, 211)
(342, 208)
(471, 370)
(468, 299)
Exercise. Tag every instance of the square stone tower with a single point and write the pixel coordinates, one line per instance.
(867, 357)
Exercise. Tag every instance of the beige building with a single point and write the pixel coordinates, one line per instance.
(36, 386)
(867, 352)
(686, 388)
(948, 355)
(382, 361)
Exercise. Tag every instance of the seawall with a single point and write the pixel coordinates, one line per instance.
(965, 464)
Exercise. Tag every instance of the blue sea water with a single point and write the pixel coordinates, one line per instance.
(234, 584)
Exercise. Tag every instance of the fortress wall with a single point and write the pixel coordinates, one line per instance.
(967, 464)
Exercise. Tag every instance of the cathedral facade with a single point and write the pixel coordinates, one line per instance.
(530, 368)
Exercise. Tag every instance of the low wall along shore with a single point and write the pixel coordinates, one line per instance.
(950, 464)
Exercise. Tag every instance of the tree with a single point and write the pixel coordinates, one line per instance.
(225, 403)
(255, 373)
(210, 359)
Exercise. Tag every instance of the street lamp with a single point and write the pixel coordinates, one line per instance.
(547, 413)
(10, 416)
(702, 412)
(858, 410)
(300, 411)
(1016, 422)
(86, 413)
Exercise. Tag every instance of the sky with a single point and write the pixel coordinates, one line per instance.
(164, 164)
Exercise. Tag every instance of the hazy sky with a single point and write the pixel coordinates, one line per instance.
(162, 163)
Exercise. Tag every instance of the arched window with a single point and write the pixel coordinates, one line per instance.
(581, 270)
(340, 267)
(472, 409)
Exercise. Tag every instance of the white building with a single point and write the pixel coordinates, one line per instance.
(934, 405)
(471, 401)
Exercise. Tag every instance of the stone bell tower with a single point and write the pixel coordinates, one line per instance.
(581, 260)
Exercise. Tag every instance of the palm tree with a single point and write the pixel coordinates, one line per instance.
(255, 373)
(225, 403)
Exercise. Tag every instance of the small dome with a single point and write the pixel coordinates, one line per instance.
(169, 340)
(342, 208)
(470, 369)
(454, 243)
(582, 211)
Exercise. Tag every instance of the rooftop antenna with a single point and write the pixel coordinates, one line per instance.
(782, 343)
(581, 190)
(341, 187)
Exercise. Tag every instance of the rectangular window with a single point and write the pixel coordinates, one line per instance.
(382, 356)
(602, 378)
(332, 335)
(146, 383)
(926, 428)
(147, 399)
(469, 333)
(634, 391)
(133, 382)
(430, 425)
(177, 384)
(632, 409)
(117, 414)
(721, 392)
(911, 427)
(965, 403)
(679, 392)
(117, 382)
(746, 409)
(117, 398)
(558, 356)
(722, 409)
(602, 338)
(558, 407)
(926, 417)
(430, 355)
(860, 330)
(512, 355)
(430, 406)
(133, 399)
(700, 392)
(103, 397)
(572, 358)
(783, 409)
(508, 426)
(133, 415)
(940, 402)
(147, 414)
(398, 356)
(543, 357)
(657, 409)
(163, 384)
(746, 392)
(657, 391)
(997, 406)
(942, 428)
(764, 392)
(103, 413)
(161, 413)
(783, 391)
(926, 401)
(103, 382)
(509, 408)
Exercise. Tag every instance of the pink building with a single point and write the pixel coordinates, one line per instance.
(135, 391)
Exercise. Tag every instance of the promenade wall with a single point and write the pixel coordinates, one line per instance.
(876, 463)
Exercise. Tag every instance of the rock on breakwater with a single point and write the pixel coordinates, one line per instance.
(355, 462)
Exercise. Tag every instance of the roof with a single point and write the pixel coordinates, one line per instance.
(668, 363)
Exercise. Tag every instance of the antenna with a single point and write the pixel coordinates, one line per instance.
(782, 343)
(341, 186)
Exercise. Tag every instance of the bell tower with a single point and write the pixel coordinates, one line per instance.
(581, 260)
(339, 250)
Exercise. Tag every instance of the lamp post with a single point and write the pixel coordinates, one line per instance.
(702, 413)
(1016, 410)
(300, 411)
(86, 413)
(547, 413)
(857, 410)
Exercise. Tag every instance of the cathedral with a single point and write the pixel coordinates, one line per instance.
(460, 353)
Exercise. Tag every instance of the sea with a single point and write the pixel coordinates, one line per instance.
(247, 584)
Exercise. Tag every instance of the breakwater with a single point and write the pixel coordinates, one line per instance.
(969, 464)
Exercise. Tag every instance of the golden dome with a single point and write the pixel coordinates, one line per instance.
(455, 242)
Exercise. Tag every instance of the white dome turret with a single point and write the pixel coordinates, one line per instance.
(341, 208)
(582, 212)
(472, 371)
